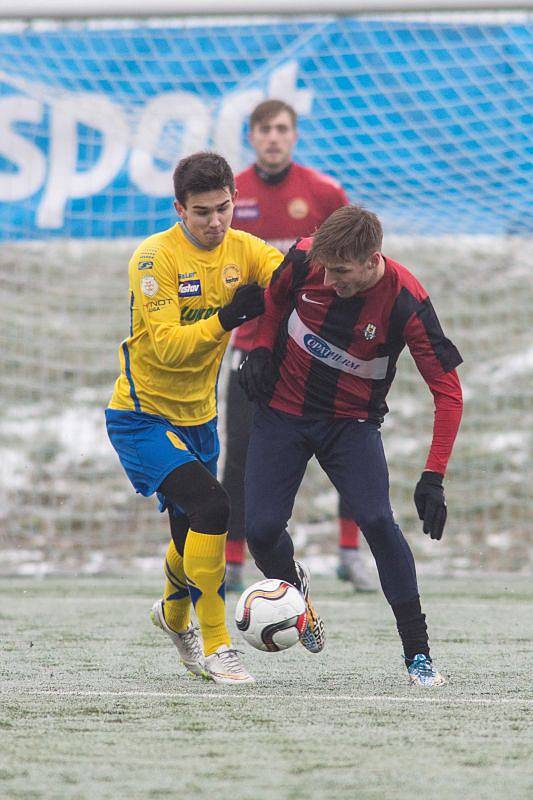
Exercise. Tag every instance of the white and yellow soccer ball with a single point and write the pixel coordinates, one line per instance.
(271, 615)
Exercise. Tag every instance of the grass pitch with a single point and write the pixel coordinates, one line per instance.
(94, 705)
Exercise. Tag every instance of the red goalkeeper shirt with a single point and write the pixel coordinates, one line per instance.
(337, 357)
(281, 212)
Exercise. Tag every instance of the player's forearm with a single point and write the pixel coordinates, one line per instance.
(174, 343)
(446, 390)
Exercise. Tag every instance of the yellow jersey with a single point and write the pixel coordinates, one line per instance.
(170, 360)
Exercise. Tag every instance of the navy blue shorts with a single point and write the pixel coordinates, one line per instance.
(150, 447)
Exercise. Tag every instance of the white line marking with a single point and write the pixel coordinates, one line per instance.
(216, 693)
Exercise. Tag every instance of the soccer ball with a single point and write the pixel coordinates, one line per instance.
(271, 615)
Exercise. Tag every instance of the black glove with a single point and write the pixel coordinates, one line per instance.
(247, 303)
(256, 373)
(431, 504)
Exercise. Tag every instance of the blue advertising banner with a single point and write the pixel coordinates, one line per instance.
(426, 122)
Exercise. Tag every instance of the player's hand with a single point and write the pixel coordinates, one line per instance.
(247, 303)
(256, 373)
(430, 503)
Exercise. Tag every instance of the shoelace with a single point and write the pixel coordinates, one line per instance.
(230, 659)
(190, 639)
(304, 582)
(422, 667)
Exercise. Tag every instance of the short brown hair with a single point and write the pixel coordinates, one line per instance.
(351, 233)
(202, 172)
(271, 108)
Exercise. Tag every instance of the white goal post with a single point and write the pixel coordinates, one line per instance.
(193, 8)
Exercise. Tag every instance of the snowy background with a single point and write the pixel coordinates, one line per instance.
(66, 505)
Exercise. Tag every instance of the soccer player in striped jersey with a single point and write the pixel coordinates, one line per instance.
(338, 314)
(189, 287)
(278, 200)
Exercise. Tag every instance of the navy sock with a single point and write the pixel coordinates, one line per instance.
(411, 624)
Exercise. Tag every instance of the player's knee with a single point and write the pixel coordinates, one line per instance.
(211, 513)
(377, 526)
(263, 532)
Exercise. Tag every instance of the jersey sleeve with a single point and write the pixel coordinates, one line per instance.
(436, 358)
(340, 199)
(155, 292)
(277, 301)
(264, 259)
(433, 352)
(333, 197)
(448, 399)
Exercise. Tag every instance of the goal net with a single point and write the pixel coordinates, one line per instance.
(424, 119)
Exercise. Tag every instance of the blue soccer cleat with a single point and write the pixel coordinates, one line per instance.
(422, 672)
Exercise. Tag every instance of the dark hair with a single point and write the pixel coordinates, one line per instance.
(271, 108)
(351, 233)
(201, 172)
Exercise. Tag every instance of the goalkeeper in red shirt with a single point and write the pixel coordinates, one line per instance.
(279, 201)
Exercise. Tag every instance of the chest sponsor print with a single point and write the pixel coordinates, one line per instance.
(332, 356)
(194, 314)
(190, 288)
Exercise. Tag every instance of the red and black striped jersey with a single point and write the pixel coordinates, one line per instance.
(336, 357)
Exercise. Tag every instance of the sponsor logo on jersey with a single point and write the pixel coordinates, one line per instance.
(190, 288)
(145, 265)
(231, 275)
(183, 276)
(194, 314)
(307, 299)
(332, 356)
(369, 332)
(149, 285)
(157, 305)
(318, 347)
(298, 208)
(246, 208)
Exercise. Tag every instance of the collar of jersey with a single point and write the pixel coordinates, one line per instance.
(268, 177)
(194, 241)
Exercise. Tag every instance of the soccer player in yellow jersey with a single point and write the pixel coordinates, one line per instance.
(189, 286)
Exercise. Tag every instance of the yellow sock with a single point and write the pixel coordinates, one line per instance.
(205, 562)
(177, 607)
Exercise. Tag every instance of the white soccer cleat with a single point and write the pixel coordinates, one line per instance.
(225, 666)
(187, 642)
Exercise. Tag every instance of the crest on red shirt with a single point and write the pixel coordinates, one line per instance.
(369, 332)
(298, 208)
